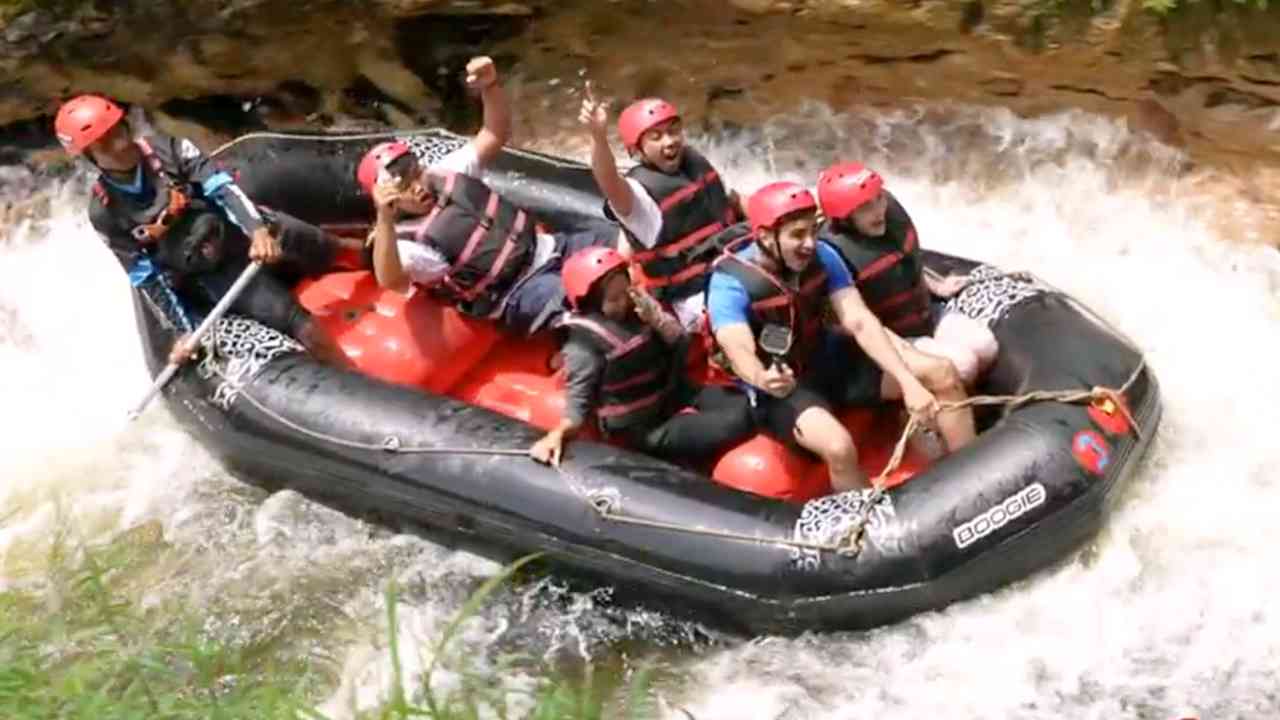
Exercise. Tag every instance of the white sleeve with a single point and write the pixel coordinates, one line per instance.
(645, 220)
(424, 265)
(463, 160)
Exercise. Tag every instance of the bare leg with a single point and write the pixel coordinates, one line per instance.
(821, 433)
(939, 376)
(962, 330)
(965, 362)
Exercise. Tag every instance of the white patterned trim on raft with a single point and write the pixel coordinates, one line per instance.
(991, 294)
(236, 349)
(828, 520)
(430, 149)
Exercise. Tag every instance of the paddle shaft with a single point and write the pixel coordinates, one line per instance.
(216, 314)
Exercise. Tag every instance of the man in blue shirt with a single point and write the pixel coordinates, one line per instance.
(786, 278)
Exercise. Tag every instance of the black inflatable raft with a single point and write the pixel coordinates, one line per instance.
(1038, 481)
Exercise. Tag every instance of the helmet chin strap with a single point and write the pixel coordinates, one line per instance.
(775, 253)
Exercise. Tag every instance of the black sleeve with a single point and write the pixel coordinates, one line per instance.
(215, 184)
(156, 288)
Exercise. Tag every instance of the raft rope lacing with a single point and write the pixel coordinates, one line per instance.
(606, 505)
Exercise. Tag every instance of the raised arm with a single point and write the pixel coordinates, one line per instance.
(616, 189)
(482, 75)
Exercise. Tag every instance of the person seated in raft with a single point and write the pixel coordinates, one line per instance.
(474, 250)
(183, 230)
(672, 203)
(624, 360)
(783, 279)
(881, 248)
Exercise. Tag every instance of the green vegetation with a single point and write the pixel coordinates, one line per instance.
(1164, 7)
(80, 648)
(13, 8)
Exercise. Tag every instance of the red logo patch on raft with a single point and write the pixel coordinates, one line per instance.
(1091, 451)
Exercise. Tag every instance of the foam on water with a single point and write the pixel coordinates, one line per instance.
(1166, 613)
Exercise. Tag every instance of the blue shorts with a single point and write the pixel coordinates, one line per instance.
(540, 297)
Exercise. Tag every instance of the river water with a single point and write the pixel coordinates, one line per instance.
(1165, 615)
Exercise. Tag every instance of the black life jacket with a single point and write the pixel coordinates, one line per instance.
(637, 369)
(148, 222)
(200, 241)
(695, 209)
(795, 302)
(888, 270)
(487, 241)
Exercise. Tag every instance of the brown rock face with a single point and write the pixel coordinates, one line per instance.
(1204, 79)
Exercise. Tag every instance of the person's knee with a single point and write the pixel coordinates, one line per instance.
(985, 348)
(971, 334)
(820, 432)
(966, 365)
(940, 375)
(962, 359)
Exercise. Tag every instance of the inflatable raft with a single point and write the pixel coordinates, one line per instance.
(432, 432)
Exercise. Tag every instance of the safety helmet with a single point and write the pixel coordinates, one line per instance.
(83, 120)
(642, 116)
(775, 201)
(376, 160)
(845, 187)
(584, 269)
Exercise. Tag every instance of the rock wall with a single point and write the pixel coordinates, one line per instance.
(1205, 78)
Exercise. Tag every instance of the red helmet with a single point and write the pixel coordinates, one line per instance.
(845, 187)
(83, 120)
(641, 116)
(377, 159)
(776, 200)
(584, 269)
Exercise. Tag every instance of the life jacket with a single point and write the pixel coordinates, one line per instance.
(637, 371)
(199, 230)
(487, 241)
(796, 302)
(888, 270)
(171, 199)
(695, 209)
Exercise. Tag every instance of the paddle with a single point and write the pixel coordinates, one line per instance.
(218, 311)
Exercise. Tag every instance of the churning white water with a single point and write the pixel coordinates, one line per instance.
(1167, 614)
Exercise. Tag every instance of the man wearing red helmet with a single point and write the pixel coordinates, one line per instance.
(783, 280)
(477, 251)
(673, 203)
(183, 230)
(879, 243)
(624, 361)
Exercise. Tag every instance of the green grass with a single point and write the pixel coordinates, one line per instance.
(82, 648)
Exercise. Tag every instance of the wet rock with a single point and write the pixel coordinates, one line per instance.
(1216, 69)
(1152, 117)
(1003, 84)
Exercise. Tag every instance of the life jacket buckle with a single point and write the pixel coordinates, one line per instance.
(156, 229)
